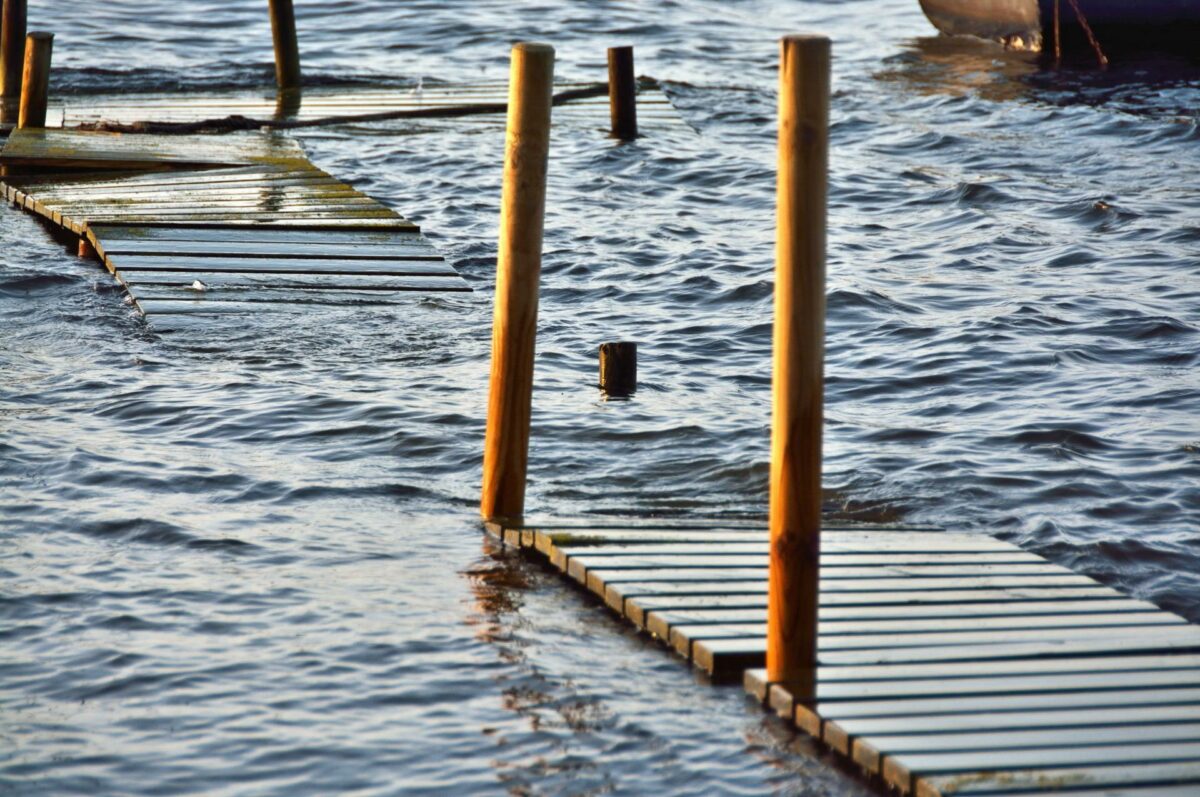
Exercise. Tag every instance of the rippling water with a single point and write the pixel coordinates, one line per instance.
(246, 560)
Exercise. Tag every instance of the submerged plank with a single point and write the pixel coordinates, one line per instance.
(329, 282)
(120, 151)
(397, 266)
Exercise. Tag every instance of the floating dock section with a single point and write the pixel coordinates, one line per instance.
(196, 226)
(950, 664)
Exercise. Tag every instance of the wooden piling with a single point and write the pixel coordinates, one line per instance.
(798, 380)
(518, 268)
(35, 80)
(12, 58)
(618, 368)
(622, 93)
(287, 50)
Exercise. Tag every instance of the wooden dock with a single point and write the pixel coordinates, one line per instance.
(949, 663)
(199, 226)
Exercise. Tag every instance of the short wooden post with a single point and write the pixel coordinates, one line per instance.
(85, 249)
(12, 58)
(287, 50)
(35, 80)
(618, 368)
(518, 268)
(798, 380)
(622, 93)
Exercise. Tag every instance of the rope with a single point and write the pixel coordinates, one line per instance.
(1087, 29)
(237, 122)
(1057, 37)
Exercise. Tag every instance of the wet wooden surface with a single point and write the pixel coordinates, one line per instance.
(218, 225)
(949, 663)
(653, 107)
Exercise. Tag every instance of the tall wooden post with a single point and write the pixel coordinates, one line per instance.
(287, 50)
(12, 58)
(35, 80)
(518, 268)
(622, 93)
(798, 381)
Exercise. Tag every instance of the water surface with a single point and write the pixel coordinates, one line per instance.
(245, 560)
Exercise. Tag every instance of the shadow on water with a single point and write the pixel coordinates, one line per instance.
(1150, 84)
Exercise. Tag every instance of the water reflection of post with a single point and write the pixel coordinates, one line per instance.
(518, 269)
(798, 378)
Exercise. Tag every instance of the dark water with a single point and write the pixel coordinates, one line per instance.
(246, 561)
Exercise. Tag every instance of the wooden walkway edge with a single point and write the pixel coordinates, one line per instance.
(203, 226)
(950, 664)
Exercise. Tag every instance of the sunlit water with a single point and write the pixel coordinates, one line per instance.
(246, 560)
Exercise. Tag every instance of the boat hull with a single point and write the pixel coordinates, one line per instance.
(1117, 24)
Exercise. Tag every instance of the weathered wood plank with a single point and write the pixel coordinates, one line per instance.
(329, 282)
(684, 637)
(660, 624)
(840, 733)
(398, 266)
(73, 149)
(729, 657)
(1081, 766)
(137, 239)
(935, 616)
(257, 244)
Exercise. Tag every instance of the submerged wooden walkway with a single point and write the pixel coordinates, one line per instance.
(484, 102)
(949, 663)
(197, 226)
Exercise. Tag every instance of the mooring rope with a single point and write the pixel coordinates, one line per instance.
(1087, 29)
(236, 122)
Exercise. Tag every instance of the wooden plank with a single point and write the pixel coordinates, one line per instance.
(1063, 721)
(97, 150)
(683, 637)
(900, 620)
(174, 201)
(174, 300)
(729, 657)
(347, 206)
(637, 606)
(329, 282)
(886, 590)
(344, 224)
(914, 542)
(882, 577)
(1090, 765)
(1157, 790)
(186, 187)
(836, 557)
(1040, 739)
(135, 239)
(398, 266)
(173, 307)
(258, 244)
(1015, 683)
(672, 563)
(141, 180)
(1120, 663)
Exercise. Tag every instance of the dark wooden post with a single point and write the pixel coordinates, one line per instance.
(618, 368)
(35, 80)
(287, 50)
(798, 379)
(518, 269)
(622, 93)
(12, 58)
